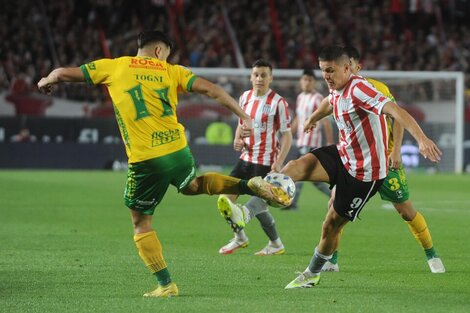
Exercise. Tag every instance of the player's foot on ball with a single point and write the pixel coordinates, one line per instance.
(269, 192)
(330, 267)
(170, 290)
(436, 266)
(271, 249)
(232, 213)
(306, 279)
(233, 245)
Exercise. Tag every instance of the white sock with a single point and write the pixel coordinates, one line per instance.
(276, 243)
(247, 214)
(241, 236)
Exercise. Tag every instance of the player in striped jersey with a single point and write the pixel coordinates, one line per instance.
(307, 102)
(144, 90)
(262, 152)
(395, 186)
(358, 165)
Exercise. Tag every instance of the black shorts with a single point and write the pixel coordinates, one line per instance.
(351, 193)
(247, 170)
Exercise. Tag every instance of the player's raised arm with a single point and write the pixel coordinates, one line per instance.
(203, 86)
(238, 143)
(395, 155)
(328, 131)
(324, 110)
(426, 146)
(61, 74)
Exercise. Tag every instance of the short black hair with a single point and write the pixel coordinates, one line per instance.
(262, 63)
(352, 52)
(309, 72)
(149, 36)
(331, 53)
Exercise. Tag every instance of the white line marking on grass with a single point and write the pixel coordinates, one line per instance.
(388, 206)
(456, 206)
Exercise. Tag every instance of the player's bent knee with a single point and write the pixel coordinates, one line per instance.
(327, 227)
(204, 184)
(406, 210)
(141, 223)
(333, 223)
(291, 169)
(192, 187)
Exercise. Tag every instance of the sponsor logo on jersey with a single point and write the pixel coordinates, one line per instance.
(143, 202)
(146, 63)
(266, 108)
(163, 137)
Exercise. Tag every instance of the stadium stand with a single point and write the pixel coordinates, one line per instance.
(390, 34)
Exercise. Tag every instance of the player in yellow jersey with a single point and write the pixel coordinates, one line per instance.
(395, 186)
(144, 90)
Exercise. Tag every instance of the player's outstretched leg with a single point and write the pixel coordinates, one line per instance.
(260, 210)
(151, 253)
(420, 231)
(269, 192)
(217, 184)
(419, 228)
(232, 213)
(331, 233)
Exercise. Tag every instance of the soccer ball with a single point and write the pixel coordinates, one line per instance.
(283, 181)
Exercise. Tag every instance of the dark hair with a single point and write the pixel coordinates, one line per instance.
(262, 63)
(309, 72)
(352, 52)
(151, 36)
(331, 53)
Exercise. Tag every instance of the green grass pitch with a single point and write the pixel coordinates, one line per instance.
(66, 246)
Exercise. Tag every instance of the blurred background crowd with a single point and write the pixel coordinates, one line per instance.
(398, 35)
(392, 35)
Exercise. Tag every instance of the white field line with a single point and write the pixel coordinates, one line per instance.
(458, 206)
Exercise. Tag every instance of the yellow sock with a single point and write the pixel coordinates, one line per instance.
(216, 184)
(420, 231)
(150, 251)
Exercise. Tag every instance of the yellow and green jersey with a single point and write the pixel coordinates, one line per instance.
(383, 89)
(144, 92)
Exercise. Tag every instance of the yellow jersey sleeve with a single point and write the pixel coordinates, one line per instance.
(184, 77)
(383, 89)
(99, 71)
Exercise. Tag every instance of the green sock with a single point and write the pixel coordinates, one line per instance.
(244, 189)
(163, 277)
(334, 258)
(430, 253)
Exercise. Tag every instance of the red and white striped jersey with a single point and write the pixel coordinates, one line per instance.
(307, 103)
(270, 115)
(363, 129)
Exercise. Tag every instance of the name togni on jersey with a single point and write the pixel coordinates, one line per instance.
(150, 78)
(163, 137)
